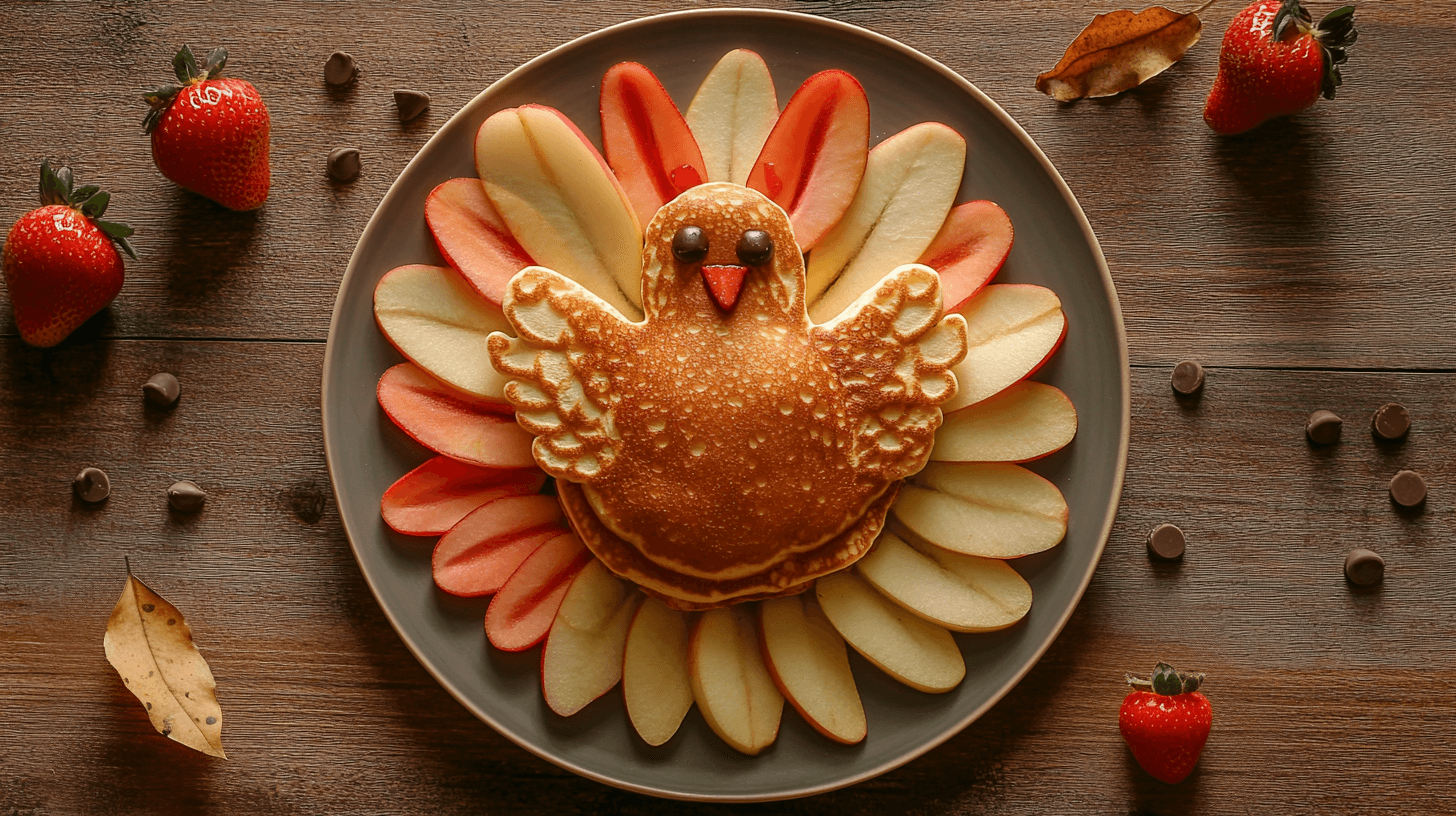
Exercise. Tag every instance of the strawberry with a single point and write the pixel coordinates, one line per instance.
(210, 135)
(61, 264)
(1165, 722)
(1274, 63)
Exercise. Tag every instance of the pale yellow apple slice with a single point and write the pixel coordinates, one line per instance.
(960, 592)
(1027, 421)
(991, 510)
(582, 659)
(809, 663)
(910, 183)
(732, 114)
(730, 683)
(561, 202)
(906, 647)
(1011, 331)
(655, 680)
(440, 323)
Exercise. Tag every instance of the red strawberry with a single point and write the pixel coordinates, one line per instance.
(61, 263)
(1274, 63)
(210, 135)
(1165, 722)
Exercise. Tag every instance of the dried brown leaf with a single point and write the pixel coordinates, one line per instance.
(150, 645)
(1121, 50)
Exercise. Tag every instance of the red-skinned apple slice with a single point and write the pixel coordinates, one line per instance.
(655, 680)
(434, 318)
(732, 114)
(451, 422)
(478, 554)
(914, 651)
(810, 665)
(561, 202)
(435, 496)
(814, 158)
(731, 685)
(473, 237)
(969, 250)
(1027, 421)
(1011, 331)
(521, 613)
(910, 182)
(582, 659)
(992, 510)
(646, 141)
(963, 593)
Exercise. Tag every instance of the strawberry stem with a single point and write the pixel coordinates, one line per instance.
(57, 186)
(1167, 681)
(188, 72)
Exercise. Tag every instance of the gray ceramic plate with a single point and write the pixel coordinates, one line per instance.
(1054, 247)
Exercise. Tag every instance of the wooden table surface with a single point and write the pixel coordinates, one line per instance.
(1307, 266)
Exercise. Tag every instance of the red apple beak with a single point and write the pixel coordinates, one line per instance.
(725, 283)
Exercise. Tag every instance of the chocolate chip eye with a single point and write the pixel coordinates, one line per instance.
(690, 244)
(755, 248)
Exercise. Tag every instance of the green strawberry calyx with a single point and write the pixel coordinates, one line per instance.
(1335, 34)
(188, 72)
(58, 186)
(1167, 681)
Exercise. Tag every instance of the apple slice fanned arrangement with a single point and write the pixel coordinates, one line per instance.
(546, 195)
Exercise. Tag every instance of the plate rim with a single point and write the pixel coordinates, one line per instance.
(1108, 286)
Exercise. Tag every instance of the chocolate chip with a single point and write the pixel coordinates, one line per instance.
(340, 69)
(1323, 427)
(1166, 542)
(410, 103)
(1391, 421)
(92, 485)
(162, 389)
(1408, 489)
(186, 497)
(1187, 377)
(1364, 567)
(690, 244)
(344, 163)
(755, 247)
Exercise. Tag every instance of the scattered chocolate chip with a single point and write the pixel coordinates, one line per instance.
(162, 389)
(1166, 542)
(344, 163)
(1187, 377)
(149, 608)
(1323, 427)
(92, 485)
(340, 69)
(186, 497)
(410, 103)
(1408, 489)
(1391, 421)
(1364, 567)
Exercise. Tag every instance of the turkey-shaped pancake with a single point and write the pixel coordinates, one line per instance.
(727, 448)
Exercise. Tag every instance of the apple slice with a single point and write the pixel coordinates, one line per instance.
(915, 652)
(960, 592)
(582, 659)
(562, 202)
(1027, 421)
(1011, 331)
(732, 114)
(732, 687)
(477, 555)
(646, 141)
(473, 237)
(435, 496)
(990, 510)
(969, 250)
(814, 158)
(451, 422)
(810, 665)
(910, 182)
(433, 317)
(521, 613)
(655, 680)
